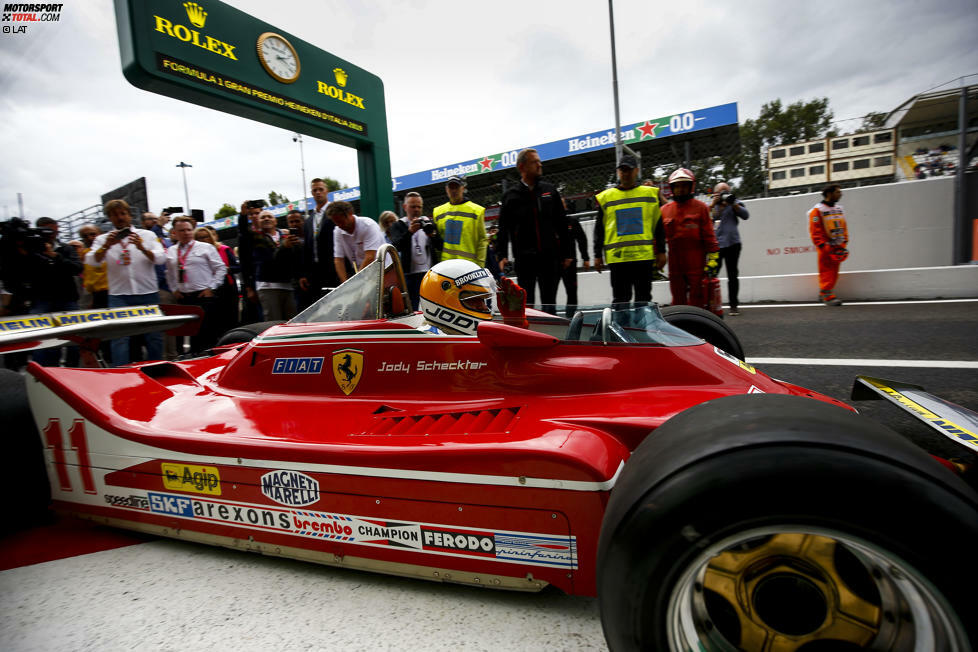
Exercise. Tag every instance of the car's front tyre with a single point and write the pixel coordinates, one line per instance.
(770, 522)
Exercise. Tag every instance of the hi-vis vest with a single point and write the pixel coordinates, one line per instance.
(828, 224)
(463, 230)
(630, 218)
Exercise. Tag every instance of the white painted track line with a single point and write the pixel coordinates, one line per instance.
(863, 362)
(751, 306)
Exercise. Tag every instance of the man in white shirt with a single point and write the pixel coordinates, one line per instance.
(356, 238)
(194, 272)
(130, 255)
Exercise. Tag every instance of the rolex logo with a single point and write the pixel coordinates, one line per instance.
(341, 76)
(195, 13)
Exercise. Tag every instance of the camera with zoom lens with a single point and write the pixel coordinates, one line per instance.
(18, 231)
(728, 198)
(257, 203)
(427, 225)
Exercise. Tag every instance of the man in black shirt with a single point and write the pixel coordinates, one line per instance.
(532, 218)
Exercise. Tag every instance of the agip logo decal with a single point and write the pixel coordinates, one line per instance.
(191, 477)
(347, 369)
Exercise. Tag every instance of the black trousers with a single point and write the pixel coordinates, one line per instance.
(633, 275)
(207, 336)
(731, 255)
(569, 276)
(545, 270)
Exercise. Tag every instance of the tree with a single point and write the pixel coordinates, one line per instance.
(227, 210)
(872, 121)
(274, 199)
(775, 125)
(333, 185)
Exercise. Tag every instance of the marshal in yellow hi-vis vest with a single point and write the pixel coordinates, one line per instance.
(462, 227)
(630, 218)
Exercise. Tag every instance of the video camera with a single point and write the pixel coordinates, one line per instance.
(728, 198)
(21, 232)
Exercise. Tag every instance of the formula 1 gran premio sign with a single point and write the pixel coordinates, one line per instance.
(212, 54)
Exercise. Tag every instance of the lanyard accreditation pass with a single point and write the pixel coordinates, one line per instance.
(181, 260)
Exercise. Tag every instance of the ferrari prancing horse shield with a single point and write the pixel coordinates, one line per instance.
(347, 369)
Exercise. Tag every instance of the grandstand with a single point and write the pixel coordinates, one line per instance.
(919, 139)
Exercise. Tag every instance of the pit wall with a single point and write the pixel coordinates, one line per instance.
(900, 244)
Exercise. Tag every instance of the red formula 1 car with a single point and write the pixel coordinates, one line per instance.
(707, 505)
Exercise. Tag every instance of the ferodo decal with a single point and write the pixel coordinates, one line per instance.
(191, 477)
(290, 488)
(532, 549)
(347, 369)
(734, 359)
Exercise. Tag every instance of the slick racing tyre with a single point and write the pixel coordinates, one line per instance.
(245, 333)
(772, 522)
(706, 326)
(25, 475)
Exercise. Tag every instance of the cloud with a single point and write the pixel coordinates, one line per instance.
(460, 81)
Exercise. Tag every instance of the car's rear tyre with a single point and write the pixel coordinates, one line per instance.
(778, 522)
(706, 326)
(245, 332)
(25, 477)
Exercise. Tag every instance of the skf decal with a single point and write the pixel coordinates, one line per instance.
(297, 366)
(290, 488)
(737, 361)
(347, 369)
(189, 477)
(172, 505)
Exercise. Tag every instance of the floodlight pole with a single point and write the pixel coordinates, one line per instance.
(186, 195)
(614, 86)
(297, 137)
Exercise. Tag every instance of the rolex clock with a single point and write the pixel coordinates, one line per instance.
(278, 57)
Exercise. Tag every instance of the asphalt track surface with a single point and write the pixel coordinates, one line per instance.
(147, 594)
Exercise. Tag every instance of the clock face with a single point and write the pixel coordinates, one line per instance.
(278, 57)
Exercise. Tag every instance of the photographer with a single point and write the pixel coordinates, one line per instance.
(131, 255)
(14, 235)
(52, 267)
(270, 255)
(414, 235)
(728, 210)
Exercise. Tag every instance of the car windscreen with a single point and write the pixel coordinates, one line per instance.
(626, 325)
(355, 300)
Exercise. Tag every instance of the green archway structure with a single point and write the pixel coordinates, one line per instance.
(214, 55)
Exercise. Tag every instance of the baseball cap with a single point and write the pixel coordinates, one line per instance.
(456, 179)
(628, 161)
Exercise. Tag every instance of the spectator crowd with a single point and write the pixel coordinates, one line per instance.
(274, 273)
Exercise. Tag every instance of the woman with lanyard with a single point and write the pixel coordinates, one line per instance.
(194, 273)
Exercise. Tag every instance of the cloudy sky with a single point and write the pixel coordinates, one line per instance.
(463, 79)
